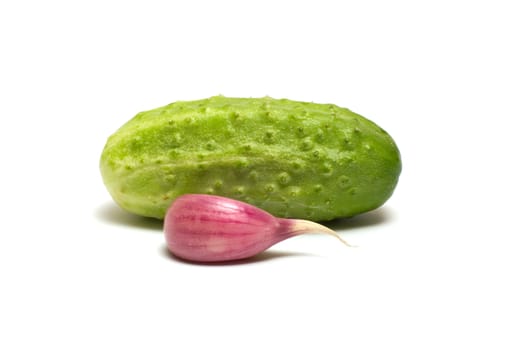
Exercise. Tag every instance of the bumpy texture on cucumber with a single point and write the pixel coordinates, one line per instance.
(293, 159)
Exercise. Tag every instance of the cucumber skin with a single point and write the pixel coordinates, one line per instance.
(293, 159)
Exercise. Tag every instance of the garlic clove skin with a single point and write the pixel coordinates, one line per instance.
(208, 228)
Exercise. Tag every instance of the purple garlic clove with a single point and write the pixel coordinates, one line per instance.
(207, 228)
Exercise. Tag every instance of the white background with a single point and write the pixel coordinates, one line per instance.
(78, 273)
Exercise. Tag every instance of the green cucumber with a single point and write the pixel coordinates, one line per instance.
(292, 159)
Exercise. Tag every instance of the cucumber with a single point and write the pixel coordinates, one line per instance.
(293, 159)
